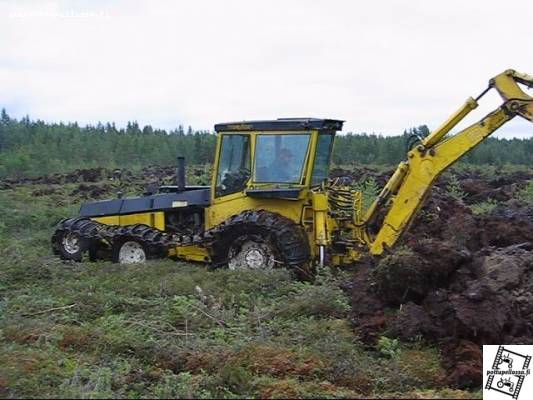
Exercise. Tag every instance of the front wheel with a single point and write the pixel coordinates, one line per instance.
(129, 252)
(70, 246)
(73, 237)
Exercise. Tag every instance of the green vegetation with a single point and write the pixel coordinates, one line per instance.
(33, 148)
(170, 329)
(369, 189)
(484, 207)
(389, 347)
(526, 194)
(454, 188)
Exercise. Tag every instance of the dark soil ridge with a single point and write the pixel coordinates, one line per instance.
(99, 183)
(457, 279)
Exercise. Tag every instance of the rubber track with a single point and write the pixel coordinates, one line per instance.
(155, 241)
(289, 238)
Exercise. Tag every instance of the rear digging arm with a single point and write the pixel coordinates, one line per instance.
(410, 183)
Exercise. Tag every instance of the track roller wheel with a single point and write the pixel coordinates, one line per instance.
(129, 251)
(138, 243)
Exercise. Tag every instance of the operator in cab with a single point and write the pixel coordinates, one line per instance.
(280, 169)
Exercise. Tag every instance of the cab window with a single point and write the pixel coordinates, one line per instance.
(322, 159)
(234, 164)
(280, 158)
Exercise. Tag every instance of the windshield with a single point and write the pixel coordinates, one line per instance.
(323, 154)
(280, 158)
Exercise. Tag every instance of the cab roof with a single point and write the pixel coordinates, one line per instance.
(281, 124)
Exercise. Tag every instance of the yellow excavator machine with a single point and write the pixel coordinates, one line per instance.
(271, 203)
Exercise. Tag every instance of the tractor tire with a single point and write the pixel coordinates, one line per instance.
(70, 246)
(75, 236)
(261, 240)
(69, 241)
(138, 243)
(252, 252)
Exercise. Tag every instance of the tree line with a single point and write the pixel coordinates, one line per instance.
(33, 147)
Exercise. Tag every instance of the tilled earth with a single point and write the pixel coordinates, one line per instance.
(458, 279)
(101, 183)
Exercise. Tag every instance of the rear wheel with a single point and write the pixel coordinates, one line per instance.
(260, 239)
(251, 253)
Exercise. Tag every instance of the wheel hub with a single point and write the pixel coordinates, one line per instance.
(71, 243)
(254, 258)
(251, 255)
(131, 252)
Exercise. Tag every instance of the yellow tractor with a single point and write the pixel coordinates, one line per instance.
(270, 202)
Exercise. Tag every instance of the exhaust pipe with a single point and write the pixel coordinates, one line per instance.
(180, 174)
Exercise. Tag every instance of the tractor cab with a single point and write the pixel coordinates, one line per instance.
(272, 159)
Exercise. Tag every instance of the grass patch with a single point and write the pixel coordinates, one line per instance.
(526, 194)
(485, 207)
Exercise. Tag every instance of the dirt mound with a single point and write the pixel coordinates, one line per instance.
(486, 298)
(409, 274)
(451, 221)
(5, 185)
(485, 301)
(79, 175)
(361, 173)
(101, 191)
(449, 297)
(458, 279)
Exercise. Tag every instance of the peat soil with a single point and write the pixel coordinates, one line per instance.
(457, 280)
(101, 183)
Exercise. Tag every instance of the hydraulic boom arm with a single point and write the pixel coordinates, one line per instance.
(410, 183)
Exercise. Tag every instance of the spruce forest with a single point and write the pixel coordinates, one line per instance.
(30, 148)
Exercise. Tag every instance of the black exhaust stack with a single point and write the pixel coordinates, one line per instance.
(180, 174)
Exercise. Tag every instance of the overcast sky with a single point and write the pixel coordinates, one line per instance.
(382, 66)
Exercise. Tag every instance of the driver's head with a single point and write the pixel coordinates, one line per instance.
(285, 155)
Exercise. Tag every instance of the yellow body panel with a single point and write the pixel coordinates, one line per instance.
(154, 219)
(191, 253)
(320, 207)
(109, 220)
(222, 210)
